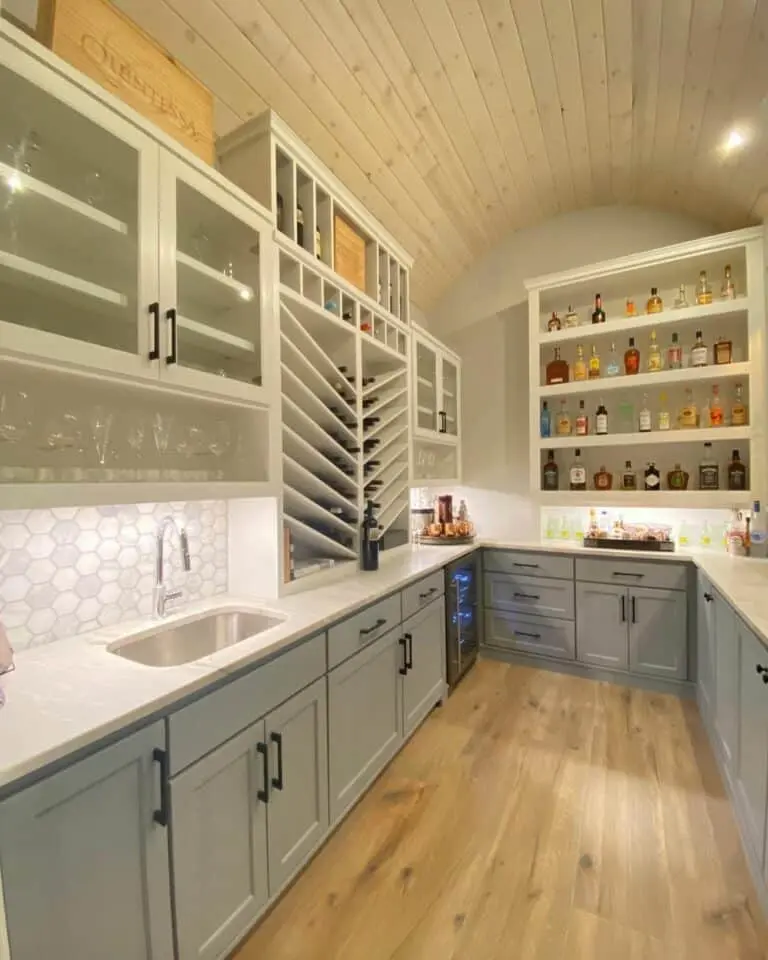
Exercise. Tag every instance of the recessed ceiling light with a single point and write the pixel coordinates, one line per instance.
(734, 141)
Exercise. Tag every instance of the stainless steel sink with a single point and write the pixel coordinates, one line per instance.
(186, 642)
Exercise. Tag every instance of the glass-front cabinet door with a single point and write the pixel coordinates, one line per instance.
(448, 414)
(426, 387)
(78, 225)
(214, 285)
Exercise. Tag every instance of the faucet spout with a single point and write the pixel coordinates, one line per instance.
(160, 594)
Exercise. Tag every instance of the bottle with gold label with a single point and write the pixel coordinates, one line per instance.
(654, 355)
(727, 289)
(630, 309)
(738, 408)
(563, 421)
(723, 350)
(580, 364)
(689, 412)
(655, 304)
(677, 479)
(716, 415)
(594, 364)
(571, 318)
(703, 289)
(631, 358)
(603, 480)
(598, 314)
(557, 369)
(664, 419)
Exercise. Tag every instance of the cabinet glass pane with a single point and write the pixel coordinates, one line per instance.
(450, 397)
(426, 387)
(217, 269)
(69, 202)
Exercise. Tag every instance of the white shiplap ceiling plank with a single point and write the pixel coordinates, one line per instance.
(646, 31)
(590, 34)
(617, 16)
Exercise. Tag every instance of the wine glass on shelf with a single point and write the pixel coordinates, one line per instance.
(100, 423)
(162, 424)
(135, 434)
(221, 441)
(14, 416)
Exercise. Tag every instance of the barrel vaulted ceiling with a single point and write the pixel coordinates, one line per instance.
(458, 121)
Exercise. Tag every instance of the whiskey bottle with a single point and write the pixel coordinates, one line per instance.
(703, 289)
(709, 471)
(571, 318)
(299, 225)
(370, 422)
(631, 358)
(582, 421)
(578, 473)
(628, 477)
(612, 368)
(594, 364)
(601, 419)
(716, 415)
(723, 350)
(664, 419)
(645, 424)
(557, 369)
(580, 365)
(598, 314)
(630, 310)
(655, 304)
(652, 477)
(737, 473)
(603, 480)
(654, 355)
(699, 352)
(677, 479)
(727, 289)
(563, 421)
(553, 323)
(545, 421)
(674, 354)
(738, 408)
(369, 445)
(550, 474)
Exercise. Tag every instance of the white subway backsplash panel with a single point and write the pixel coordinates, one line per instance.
(68, 570)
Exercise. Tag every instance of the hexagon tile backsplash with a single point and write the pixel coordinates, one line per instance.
(72, 569)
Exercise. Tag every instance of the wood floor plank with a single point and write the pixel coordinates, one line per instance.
(534, 816)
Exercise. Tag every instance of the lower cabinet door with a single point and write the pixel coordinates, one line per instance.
(424, 682)
(85, 863)
(658, 633)
(365, 719)
(535, 635)
(219, 830)
(752, 761)
(297, 813)
(602, 634)
(726, 679)
(705, 645)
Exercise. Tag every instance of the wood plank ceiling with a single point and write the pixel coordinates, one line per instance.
(457, 121)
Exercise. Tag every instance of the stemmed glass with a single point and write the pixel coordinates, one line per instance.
(161, 431)
(14, 416)
(101, 427)
(135, 438)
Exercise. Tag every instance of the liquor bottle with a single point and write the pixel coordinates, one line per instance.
(598, 314)
(299, 225)
(681, 300)
(631, 358)
(603, 480)
(699, 352)
(738, 408)
(689, 412)
(628, 477)
(557, 369)
(369, 445)
(674, 354)
(629, 309)
(664, 419)
(553, 323)
(318, 244)
(563, 421)
(369, 422)
(723, 350)
(369, 402)
(601, 419)
(645, 424)
(582, 421)
(709, 471)
(550, 474)
(655, 304)
(716, 415)
(571, 318)
(652, 477)
(594, 364)
(580, 365)
(612, 368)
(703, 289)
(737, 473)
(578, 473)
(654, 355)
(727, 289)
(367, 381)
(545, 421)
(677, 479)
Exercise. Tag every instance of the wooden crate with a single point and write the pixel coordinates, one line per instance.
(101, 42)
(348, 252)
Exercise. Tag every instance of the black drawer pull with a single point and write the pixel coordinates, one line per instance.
(261, 748)
(531, 566)
(154, 310)
(366, 630)
(425, 596)
(533, 636)
(527, 596)
(618, 573)
(277, 782)
(708, 597)
(404, 669)
(163, 815)
(409, 648)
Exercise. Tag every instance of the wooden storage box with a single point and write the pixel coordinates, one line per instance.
(104, 44)
(349, 252)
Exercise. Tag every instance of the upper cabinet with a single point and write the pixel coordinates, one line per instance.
(436, 373)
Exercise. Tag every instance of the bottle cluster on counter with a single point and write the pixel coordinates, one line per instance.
(703, 296)
(650, 478)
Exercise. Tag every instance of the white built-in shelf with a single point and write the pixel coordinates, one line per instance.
(305, 480)
(325, 546)
(303, 368)
(302, 397)
(299, 450)
(386, 442)
(311, 431)
(206, 335)
(687, 499)
(303, 508)
(399, 397)
(297, 332)
(714, 311)
(386, 421)
(393, 487)
(372, 343)
(29, 275)
(324, 326)
(642, 381)
(423, 382)
(392, 459)
(211, 289)
(694, 435)
(393, 512)
(383, 380)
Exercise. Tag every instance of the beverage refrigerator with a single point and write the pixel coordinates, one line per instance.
(462, 598)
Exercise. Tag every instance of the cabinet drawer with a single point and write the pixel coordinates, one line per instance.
(199, 728)
(633, 573)
(547, 598)
(528, 564)
(422, 592)
(358, 631)
(537, 635)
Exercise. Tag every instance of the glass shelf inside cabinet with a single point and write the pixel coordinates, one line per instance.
(426, 387)
(217, 268)
(69, 202)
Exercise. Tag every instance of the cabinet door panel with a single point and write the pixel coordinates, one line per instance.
(705, 645)
(752, 762)
(535, 635)
(297, 816)
(426, 387)
(449, 397)
(529, 595)
(602, 633)
(219, 846)
(726, 703)
(85, 867)
(424, 684)
(658, 640)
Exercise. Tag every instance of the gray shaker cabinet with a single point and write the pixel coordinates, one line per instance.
(658, 644)
(705, 645)
(726, 680)
(424, 683)
(601, 625)
(752, 760)
(85, 862)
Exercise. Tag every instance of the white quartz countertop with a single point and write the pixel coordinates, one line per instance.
(66, 696)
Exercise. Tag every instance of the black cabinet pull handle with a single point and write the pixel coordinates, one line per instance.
(708, 597)
(409, 655)
(379, 623)
(634, 610)
(170, 315)
(424, 596)
(261, 748)
(443, 427)
(404, 669)
(533, 636)
(277, 739)
(527, 596)
(530, 566)
(618, 573)
(623, 609)
(154, 312)
(163, 815)
(761, 669)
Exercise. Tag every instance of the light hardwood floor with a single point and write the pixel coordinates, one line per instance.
(535, 815)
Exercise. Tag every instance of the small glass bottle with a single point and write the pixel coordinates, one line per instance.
(677, 479)
(723, 350)
(550, 474)
(703, 289)
(738, 408)
(630, 309)
(645, 424)
(652, 477)
(628, 477)
(612, 368)
(716, 415)
(699, 352)
(709, 471)
(601, 419)
(557, 369)
(689, 412)
(654, 304)
(580, 364)
(727, 289)
(737, 473)
(598, 314)
(578, 473)
(563, 421)
(594, 364)
(603, 480)
(545, 421)
(674, 354)
(582, 421)
(571, 318)
(681, 300)
(631, 358)
(664, 419)
(553, 323)
(654, 355)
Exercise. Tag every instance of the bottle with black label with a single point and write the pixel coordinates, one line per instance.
(652, 477)
(550, 474)
(737, 473)
(709, 470)
(628, 477)
(601, 419)
(578, 473)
